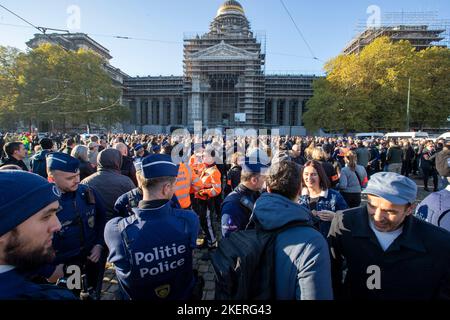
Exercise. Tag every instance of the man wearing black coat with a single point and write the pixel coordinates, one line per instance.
(389, 253)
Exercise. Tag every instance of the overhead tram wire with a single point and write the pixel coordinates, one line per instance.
(119, 37)
(313, 56)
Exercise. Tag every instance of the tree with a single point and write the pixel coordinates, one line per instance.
(54, 84)
(9, 77)
(369, 91)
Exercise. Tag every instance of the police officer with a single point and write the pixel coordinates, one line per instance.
(129, 201)
(238, 205)
(80, 240)
(28, 207)
(210, 188)
(152, 249)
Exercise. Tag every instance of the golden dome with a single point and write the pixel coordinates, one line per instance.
(230, 6)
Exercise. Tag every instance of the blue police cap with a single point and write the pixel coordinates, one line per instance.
(393, 187)
(253, 165)
(159, 165)
(138, 146)
(23, 194)
(63, 162)
(156, 148)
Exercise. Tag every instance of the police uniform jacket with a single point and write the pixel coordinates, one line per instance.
(415, 266)
(152, 251)
(234, 215)
(83, 221)
(128, 201)
(15, 286)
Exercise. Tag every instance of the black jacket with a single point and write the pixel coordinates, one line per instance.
(233, 179)
(13, 160)
(415, 266)
(128, 169)
(86, 169)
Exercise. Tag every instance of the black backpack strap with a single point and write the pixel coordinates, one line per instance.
(442, 216)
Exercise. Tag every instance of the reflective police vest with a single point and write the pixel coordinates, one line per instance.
(186, 180)
(196, 164)
(158, 244)
(81, 225)
(211, 183)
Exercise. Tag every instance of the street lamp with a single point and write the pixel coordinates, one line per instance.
(407, 104)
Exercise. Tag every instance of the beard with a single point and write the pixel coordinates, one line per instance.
(26, 259)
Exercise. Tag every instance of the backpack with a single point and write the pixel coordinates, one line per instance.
(244, 264)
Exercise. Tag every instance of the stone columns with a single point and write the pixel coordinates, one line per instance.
(172, 111)
(138, 111)
(274, 111)
(161, 111)
(286, 112)
(299, 112)
(205, 110)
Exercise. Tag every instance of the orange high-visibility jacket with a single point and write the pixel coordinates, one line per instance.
(186, 180)
(196, 165)
(211, 181)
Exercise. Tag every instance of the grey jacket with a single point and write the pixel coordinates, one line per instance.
(394, 155)
(109, 183)
(363, 156)
(302, 261)
(348, 182)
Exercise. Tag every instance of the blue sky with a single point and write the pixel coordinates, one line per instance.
(326, 25)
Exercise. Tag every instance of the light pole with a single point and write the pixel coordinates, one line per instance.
(407, 105)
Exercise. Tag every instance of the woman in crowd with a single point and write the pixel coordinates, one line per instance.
(318, 197)
(353, 177)
(81, 153)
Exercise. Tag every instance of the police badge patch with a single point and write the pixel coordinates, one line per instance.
(91, 222)
(163, 291)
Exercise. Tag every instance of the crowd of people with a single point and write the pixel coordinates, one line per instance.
(145, 202)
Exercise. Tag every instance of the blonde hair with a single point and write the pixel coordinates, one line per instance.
(309, 150)
(319, 154)
(350, 158)
(235, 158)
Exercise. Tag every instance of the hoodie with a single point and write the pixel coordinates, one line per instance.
(302, 261)
(38, 163)
(109, 183)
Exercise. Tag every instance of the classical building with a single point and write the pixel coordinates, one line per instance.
(223, 85)
(420, 37)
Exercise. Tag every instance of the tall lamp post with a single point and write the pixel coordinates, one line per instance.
(407, 104)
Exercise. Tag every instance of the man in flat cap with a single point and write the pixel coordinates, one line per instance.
(80, 241)
(152, 249)
(238, 205)
(28, 222)
(389, 253)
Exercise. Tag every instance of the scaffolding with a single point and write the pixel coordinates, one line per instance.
(224, 72)
(422, 29)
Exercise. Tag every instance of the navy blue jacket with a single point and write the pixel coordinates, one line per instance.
(416, 266)
(302, 261)
(128, 201)
(14, 286)
(234, 215)
(38, 163)
(329, 200)
(152, 251)
(75, 239)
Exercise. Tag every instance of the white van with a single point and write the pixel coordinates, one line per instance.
(407, 135)
(445, 136)
(369, 135)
